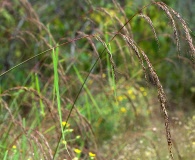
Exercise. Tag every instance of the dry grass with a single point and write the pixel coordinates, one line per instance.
(122, 38)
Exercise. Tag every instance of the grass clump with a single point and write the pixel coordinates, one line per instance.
(91, 95)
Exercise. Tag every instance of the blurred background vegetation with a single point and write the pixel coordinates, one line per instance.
(114, 110)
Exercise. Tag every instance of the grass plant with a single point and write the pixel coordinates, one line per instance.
(69, 108)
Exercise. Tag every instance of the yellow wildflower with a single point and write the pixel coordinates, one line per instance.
(142, 89)
(65, 123)
(78, 151)
(92, 154)
(130, 91)
(121, 98)
(123, 109)
(14, 146)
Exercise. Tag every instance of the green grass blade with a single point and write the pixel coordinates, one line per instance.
(38, 90)
(5, 155)
(87, 90)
